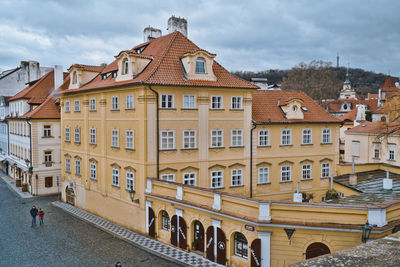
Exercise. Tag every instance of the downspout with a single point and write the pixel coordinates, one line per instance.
(30, 155)
(251, 157)
(158, 130)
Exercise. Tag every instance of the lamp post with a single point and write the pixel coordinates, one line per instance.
(132, 195)
(366, 231)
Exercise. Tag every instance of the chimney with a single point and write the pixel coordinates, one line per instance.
(150, 33)
(177, 24)
(387, 182)
(58, 76)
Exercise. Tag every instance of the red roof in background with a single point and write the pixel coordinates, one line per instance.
(267, 110)
(389, 85)
(88, 67)
(165, 67)
(375, 128)
(349, 116)
(335, 105)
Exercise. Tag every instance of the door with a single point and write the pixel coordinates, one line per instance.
(198, 234)
(221, 247)
(152, 223)
(255, 253)
(70, 196)
(182, 233)
(210, 243)
(174, 226)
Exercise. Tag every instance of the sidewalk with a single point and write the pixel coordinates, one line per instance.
(11, 184)
(155, 247)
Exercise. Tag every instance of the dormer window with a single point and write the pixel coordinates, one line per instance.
(294, 107)
(200, 65)
(74, 78)
(125, 66)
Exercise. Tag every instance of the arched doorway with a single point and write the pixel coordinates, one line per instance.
(255, 253)
(198, 236)
(178, 232)
(316, 249)
(151, 223)
(70, 196)
(220, 242)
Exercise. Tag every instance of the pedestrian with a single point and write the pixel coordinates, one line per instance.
(41, 216)
(34, 212)
(118, 264)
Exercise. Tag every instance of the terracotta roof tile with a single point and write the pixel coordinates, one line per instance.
(267, 110)
(88, 67)
(47, 110)
(349, 116)
(335, 105)
(389, 85)
(375, 128)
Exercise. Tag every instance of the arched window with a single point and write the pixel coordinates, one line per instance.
(165, 223)
(200, 65)
(241, 248)
(74, 78)
(125, 66)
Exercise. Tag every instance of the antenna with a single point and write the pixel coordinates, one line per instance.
(337, 60)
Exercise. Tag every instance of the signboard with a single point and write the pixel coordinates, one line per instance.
(249, 227)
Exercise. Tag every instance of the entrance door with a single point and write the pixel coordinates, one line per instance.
(316, 249)
(210, 243)
(174, 228)
(221, 247)
(151, 223)
(182, 233)
(70, 196)
(198, 234)
(255, 253)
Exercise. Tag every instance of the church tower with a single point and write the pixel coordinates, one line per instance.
(347, 91)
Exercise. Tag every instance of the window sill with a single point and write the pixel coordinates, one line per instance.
(234, 186)
(79, 175)
(219, 147)
(116, 186)
(47, 136)
(66, 141)
(129, 108)
(236, 109)
(167, 108)
(194, 109)
(77, 111)
(172, 149)
(93, 179)
(285, 182)
(115, 147)
(326, 144)
(264, 146)
(236, 147)
(129, 149)
(325, 177)
(93, 144)
(376, 158)
(306, 180)
(391, 160)
(77, 143)
(165, 230)
(306, 144)
(188, 149)
(67, 111)
(68, 172)
(216, 188)
(265, 183)
(92, 110)
(286, 145)
(115, 110)
(217, 109)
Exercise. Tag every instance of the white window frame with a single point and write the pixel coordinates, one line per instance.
(129, 104)
(130, 139)
(391, 152)
(306, 171)
(67, 134)
(115, 177)
(92, 104)
(189, 139)
(93, 171)
(115, 103)
(92, 136)
(46, 130)
(78, 167)
(170, 177)
(189, 101)
(326, 136)
(189, 178)
(130, 180)
(325, 170)
(286, 135)
(67, 164)
(263, 175)
(263, 138)
(167, 142)
(200, 69)
(115, 138)
(167, 101)
(217, 102)
(236, 177)
(77, 106)
(219, 175)
(218, 137)
(77, 135)
(306, 137)
(48, 156)
(67, 106)
(236, 137)
(236, 104)
(286, 173)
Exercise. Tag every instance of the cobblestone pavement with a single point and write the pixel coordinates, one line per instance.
(62, 241)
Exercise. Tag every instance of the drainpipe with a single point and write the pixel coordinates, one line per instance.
(158, 131)
(30, 154)
(251, 157)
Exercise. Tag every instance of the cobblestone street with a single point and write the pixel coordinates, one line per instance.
(62, 241)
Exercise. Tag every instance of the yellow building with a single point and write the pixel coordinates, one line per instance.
(167, 142)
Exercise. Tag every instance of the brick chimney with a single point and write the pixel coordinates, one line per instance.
(177, 24)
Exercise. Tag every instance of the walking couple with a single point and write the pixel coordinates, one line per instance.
(35, 212)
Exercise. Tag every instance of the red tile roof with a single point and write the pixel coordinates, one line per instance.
(267, 110)
(389, 85)
(88, 67)
(349, 116)
(375, 128)
(165, 67)
(334, 106)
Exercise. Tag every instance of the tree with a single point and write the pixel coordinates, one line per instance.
(317, 79)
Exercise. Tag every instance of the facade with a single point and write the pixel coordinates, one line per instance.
(3, 132)
(34, 136)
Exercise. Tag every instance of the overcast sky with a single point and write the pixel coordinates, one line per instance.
(245, 35)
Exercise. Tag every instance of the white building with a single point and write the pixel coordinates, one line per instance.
(3, 133)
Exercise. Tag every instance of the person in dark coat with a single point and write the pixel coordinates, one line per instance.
(34, 212)
(41, 216)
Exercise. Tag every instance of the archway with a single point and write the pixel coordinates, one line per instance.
(316, 249)
(178, 232)
(198, 236)
(70, 196)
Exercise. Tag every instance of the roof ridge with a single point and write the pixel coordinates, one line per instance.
(11, 72)
(28, 89)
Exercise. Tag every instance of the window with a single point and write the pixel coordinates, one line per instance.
(130, 182)
(92, 105)
(48, 157)
(236, 138)
(356, 148)
(92, 136)
(189, 178)
(66, 106)
(286, 137)
(325, 170)
(114, 138)
(68, 165)
(48, 181)
(77, 167)
(77, 135)
(115, 177)
(306, 172)
(236, 177)
(93, 171)
(189, 139)
(188, 101)
(216, 102)
(236, 102)
(129, 142)
(165, 220)
(263, 175)
(47, 131)
(74, 78)
(216, 179)
(307, 136)
(217, 138)
(77, 105)
(376, 153)
(200, 65)
(67, 134)
(129, 102)
(170, 177)
(241, 247)
(263, 138)
(167, 140)
(391, 150)
(114, 103)
(167, 101)
(326, 136)
(125, 66)
(285, 173)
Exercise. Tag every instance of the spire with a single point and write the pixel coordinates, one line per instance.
(337, 60)
(347, 81)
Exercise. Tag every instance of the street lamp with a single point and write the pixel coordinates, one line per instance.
(132, 195)
(366, 231)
